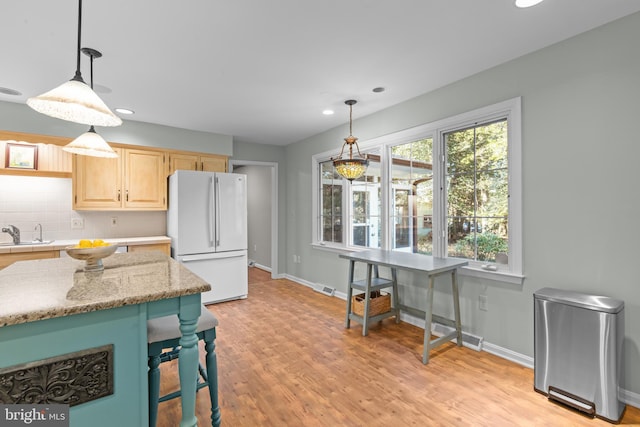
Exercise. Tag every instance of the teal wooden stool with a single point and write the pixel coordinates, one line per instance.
(164, 333)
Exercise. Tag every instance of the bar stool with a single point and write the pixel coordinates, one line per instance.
(164, 333)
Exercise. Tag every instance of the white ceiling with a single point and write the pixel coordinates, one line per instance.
(263, 71)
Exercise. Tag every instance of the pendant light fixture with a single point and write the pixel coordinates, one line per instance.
(90, 143)
(74, 101)
(353, 167)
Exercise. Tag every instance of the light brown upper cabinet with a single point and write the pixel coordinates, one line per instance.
(135, 180)
(195, 162)
(46, 158)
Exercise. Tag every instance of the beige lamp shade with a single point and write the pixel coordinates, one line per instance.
(90, 144)
(75, 101)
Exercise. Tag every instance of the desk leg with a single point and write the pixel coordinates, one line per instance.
(396, 299)
(456, 307)
(367, 302)
(427, 322)
(188, 368)
(347, 320)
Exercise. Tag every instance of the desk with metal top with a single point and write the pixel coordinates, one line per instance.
(421, 264)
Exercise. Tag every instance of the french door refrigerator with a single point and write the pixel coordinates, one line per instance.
(207, 224)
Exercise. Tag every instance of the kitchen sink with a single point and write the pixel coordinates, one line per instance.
(44, 242)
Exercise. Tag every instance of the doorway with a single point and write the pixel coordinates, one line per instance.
(262, 212)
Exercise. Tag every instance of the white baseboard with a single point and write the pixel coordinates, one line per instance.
(262, 267)
(628, 397)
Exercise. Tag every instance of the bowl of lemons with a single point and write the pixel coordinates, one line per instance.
(91, 252)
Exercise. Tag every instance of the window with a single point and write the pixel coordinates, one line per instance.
(365, 201)
(477, 192)
(331, 203)
(412, 196)
(450, 188)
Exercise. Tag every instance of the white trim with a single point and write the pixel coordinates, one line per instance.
(498, 276)
(629, 397)
(511, 355)
(509, 109)
(274, 207)
(262, 267)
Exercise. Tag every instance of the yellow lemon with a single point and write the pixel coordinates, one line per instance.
(98, 243)
(84, 243)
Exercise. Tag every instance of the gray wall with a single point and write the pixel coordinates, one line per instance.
(259, 202)
(580, 176)
(21, 118)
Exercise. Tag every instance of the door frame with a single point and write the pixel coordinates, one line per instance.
(274, 208)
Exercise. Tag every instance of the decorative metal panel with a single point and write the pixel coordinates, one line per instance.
(71, 379)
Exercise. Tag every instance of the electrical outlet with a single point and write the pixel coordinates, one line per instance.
(114, 221)
(255, 248)
(77, 223)
(483, 303)
(294, 258)
(298, 259)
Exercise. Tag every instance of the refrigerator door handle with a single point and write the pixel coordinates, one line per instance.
(217, 213)
(211, 212)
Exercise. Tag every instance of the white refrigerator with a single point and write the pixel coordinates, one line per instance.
(207, 224)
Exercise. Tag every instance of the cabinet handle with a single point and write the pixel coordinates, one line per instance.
(118, 195)
(127, 196)
(196, 166)
(201, 166)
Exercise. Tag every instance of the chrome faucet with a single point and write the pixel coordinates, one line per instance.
(13, 232)
(38, 239)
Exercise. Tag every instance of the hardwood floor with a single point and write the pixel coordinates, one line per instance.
(285, 359)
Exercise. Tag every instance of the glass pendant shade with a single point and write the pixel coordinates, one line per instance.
(90, 144)
(351, 168)
(76, 102)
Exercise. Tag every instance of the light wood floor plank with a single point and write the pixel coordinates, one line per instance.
(285, 359)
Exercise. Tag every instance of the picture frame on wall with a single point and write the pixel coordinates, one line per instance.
(21, 156)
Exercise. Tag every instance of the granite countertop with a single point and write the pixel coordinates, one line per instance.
(44, 289)
(59, 245)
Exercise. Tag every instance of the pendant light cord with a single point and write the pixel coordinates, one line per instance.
(78, 75)
(91, 129)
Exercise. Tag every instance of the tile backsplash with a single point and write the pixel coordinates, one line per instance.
(28, 201)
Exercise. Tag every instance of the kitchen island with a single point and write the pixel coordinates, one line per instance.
(51, 311)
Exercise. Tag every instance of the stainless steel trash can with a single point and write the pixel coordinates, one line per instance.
(578, 350)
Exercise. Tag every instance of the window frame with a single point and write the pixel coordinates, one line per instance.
(511, 111)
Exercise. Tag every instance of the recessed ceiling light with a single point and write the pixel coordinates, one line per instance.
(527, 3)
(124, 111)
(327, 112)
(7, 91)
(378, 89)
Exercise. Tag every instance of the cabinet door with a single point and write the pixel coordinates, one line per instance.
(183, 162)
(97, 182)
(8, 259)
(213, 163)
(165, 248)
(145, 182)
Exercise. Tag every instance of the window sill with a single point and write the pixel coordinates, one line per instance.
(498, 276)
(335, 249)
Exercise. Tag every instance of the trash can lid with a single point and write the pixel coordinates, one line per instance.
(578, 299)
